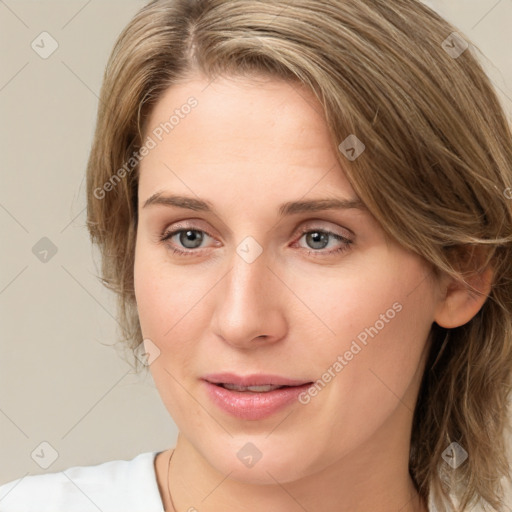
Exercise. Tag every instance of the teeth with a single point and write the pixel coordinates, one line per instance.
(255, 389)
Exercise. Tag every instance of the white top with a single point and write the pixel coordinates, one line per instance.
(115, 486)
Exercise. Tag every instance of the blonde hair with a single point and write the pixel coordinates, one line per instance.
(436, 173)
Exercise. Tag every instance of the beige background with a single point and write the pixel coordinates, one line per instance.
(60, 382)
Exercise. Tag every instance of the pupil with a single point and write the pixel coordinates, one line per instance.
(318, 238)
(190, 236)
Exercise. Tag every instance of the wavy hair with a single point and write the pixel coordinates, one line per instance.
(436, 174)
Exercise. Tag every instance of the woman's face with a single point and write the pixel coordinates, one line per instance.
(258, 283)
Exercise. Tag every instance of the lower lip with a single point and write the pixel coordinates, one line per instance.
(248, 405)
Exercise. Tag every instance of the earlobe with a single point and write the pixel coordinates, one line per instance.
(461, 301)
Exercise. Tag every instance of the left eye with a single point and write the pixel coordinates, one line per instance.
(319, 239)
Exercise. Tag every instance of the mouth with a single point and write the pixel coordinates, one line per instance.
(265, 388)
(253, 397)
(254, 380)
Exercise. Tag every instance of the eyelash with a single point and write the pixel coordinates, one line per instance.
(318, 253)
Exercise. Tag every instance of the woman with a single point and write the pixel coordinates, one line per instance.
(304, 210)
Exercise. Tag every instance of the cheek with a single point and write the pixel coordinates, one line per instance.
(370, 301)
(381, 316)
(166, 314)
(173, 312)
(163, 297)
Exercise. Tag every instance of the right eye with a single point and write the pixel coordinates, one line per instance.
(186, 238)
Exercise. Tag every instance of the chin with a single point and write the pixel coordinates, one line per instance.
(264, 473)
(256, 460)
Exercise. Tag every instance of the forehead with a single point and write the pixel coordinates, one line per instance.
(248, 137)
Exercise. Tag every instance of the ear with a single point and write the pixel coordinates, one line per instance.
(460, 301)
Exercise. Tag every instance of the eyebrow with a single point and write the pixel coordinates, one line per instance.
(289, 208)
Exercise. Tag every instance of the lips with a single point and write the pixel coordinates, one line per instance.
(253, 397)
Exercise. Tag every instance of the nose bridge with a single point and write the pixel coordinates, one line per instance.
(248, 303)
(249, 272)
(248, 285)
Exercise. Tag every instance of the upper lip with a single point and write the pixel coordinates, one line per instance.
(252, 380)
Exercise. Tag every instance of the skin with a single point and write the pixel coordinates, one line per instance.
(247, 148)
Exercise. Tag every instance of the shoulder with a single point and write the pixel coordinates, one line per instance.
(127, 485)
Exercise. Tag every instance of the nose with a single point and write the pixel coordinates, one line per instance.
(250, 305)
